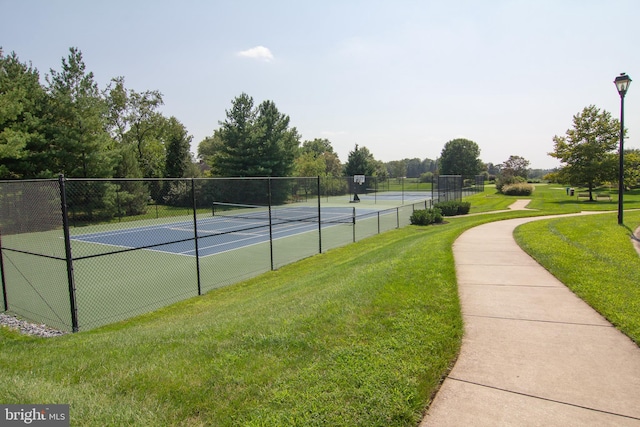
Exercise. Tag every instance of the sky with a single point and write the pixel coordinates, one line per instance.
(401, 77)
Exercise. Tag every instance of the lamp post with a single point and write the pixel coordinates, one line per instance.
(622, 84)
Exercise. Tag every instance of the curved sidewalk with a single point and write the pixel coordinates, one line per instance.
(533, 354)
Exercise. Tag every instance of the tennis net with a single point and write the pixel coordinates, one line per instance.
(282, 214)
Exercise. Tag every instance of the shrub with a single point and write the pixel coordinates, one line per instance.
(502, 181)
(518, 190)
(453, 208)
(426, 216)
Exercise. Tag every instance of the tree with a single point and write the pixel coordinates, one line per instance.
(493, 169)
(277, 143)
(236, 135)
(586, 149)
(308, 164)
(22, 104)
(133, 118)
(360, 162)
(461, 157)
(255, 142)
(631, 168)
(318, 146)
(415, 167)
(397, 168)
(322, 149)
(515, 166)
(80, 145)
(209, 147)
(178, 143)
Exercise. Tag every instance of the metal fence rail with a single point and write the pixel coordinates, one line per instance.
(76, 254)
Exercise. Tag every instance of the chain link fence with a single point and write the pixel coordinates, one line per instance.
(80, 253)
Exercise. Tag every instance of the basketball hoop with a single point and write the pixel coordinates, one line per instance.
(357, 179)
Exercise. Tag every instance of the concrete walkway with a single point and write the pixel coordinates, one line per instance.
(533, 353)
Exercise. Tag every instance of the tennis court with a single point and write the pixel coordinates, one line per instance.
(112, 270)
(240, 227)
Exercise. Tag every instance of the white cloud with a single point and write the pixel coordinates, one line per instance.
(258, 52)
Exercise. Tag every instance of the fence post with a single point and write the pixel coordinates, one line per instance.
(319, 220)
(69, 257)
(4, 283)
(354, 225)
(195, 233)
(270, 222)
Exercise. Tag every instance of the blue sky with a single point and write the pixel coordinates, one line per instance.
(399, 77)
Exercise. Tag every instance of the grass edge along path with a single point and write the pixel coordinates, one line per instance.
(595, 258)
(359, 336)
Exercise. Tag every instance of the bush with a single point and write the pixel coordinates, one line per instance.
(453, 208)
(426, 216)
(518, 190)
(502, 181)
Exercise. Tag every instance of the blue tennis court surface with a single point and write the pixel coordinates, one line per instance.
(217, 234)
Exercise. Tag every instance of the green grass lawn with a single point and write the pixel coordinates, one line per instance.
(595, 258)
(358, 336)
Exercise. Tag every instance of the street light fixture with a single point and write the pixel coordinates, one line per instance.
(622, 84)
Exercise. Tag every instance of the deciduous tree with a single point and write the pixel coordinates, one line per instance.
(322, 149)
(586, 150)
(133, 119)
(515, 166)
(461, 157)
(631, 168)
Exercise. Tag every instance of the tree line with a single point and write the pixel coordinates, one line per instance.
(69, 125)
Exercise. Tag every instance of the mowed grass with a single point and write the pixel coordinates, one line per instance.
(595, 258)
(359, 336)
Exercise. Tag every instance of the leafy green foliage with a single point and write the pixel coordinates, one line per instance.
(502, 180)
(586, 149)
(515, 166)
(79, 144)
(360, 162)
(453, 207)
(22, 113)
(178, 156)
(70, 126)
(461, 157)
(255, 141)
(426, 216)
(631, 168)
(519, 189)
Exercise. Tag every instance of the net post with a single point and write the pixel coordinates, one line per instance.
(195, 234)
(4, 283)
(68, 255)
(319, 220)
